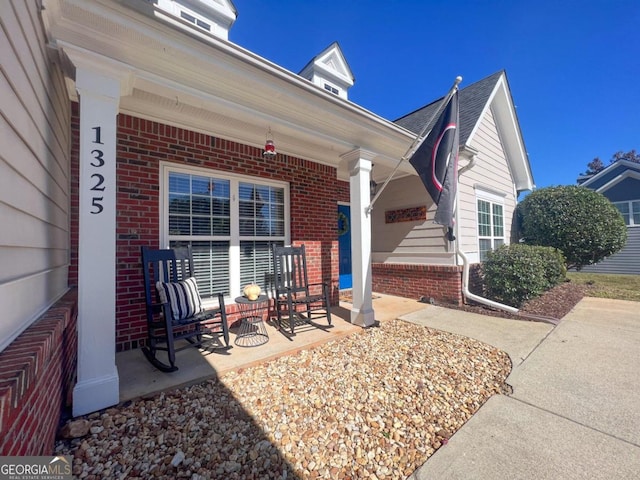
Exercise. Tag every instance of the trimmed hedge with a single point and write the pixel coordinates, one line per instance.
(516, 273)
(580, 222)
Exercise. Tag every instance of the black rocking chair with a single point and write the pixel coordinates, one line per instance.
(292, 288)
(173, 307)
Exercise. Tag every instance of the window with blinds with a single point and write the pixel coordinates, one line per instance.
(262, 224)
(231, 223)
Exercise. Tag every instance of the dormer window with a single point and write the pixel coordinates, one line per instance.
(196, 21)
(329, 70)
(213, 16)
(332, 89)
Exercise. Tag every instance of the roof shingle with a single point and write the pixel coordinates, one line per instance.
(472, 100)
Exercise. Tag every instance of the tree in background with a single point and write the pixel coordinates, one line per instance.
(583, 224)
(595, 165)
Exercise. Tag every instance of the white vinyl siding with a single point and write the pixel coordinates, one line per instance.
(490, 173)
(407, 242)
(34, 172)
(231, 223)
(425, 242)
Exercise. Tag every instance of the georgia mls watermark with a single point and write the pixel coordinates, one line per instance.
(35, 468)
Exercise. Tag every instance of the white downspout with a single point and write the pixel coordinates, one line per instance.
(476, 298)
(465, 260)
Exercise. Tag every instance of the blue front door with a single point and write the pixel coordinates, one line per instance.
(344, 246)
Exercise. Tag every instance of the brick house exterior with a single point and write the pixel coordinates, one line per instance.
(163, 96)
(141, 146)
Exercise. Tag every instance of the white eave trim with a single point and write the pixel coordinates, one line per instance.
(614, 181)
(184, 41)
(195, 44)
(504, 112)
(614, 165)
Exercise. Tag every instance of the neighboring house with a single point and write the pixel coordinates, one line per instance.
(620, 183)
(118, 114)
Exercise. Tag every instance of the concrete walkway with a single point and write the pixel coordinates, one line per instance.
(575, 408)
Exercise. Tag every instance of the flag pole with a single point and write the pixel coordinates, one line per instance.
(416, 142)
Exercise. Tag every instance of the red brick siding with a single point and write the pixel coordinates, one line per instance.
(342, 192)
(37, 374)
(141, 145)
(442, 283)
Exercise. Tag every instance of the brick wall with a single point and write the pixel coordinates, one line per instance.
(342, 192)
(442, 283)
(141, 146)
(37, 374)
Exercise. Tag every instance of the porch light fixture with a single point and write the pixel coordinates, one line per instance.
(269, 146)
(373, 186)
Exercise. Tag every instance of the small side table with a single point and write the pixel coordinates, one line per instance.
(252, 315)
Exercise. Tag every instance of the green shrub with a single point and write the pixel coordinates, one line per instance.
(583, 224)
(516, 273)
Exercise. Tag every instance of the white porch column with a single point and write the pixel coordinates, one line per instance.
(98, 382)
(359, 163)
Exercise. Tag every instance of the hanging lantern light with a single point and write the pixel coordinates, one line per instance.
(269, 146)
(373, 186)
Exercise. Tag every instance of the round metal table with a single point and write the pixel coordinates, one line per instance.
(253, 313)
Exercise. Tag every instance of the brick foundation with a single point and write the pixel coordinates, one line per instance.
(37, 374)
(440, 282)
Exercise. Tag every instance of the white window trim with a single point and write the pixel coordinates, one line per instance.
(492, 198)
(234, 237)
(489, 196)
(631, 223)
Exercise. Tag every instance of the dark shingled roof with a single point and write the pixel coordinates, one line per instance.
(472, 100)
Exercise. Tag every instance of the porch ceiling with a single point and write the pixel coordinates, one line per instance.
(200, 82)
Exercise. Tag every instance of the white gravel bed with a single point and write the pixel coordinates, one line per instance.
(372, 405)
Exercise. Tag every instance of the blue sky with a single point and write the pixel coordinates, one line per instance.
(573, 66)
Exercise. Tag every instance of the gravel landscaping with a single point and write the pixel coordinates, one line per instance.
(373, 405)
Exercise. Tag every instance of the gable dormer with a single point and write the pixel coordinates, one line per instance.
(330, 71)
(213, 16)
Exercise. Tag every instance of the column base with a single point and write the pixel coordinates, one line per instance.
(96, 394)
(363, 318)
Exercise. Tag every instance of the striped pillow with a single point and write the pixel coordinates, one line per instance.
(183, 297)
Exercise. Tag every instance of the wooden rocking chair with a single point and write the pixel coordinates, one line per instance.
(174, 308)
(292, 288)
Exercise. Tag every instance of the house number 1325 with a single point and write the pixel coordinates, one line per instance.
(97, 179)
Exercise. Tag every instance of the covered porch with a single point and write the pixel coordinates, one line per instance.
(138, 378)
(152, 105)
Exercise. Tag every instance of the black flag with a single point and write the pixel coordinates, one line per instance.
(436, 161)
